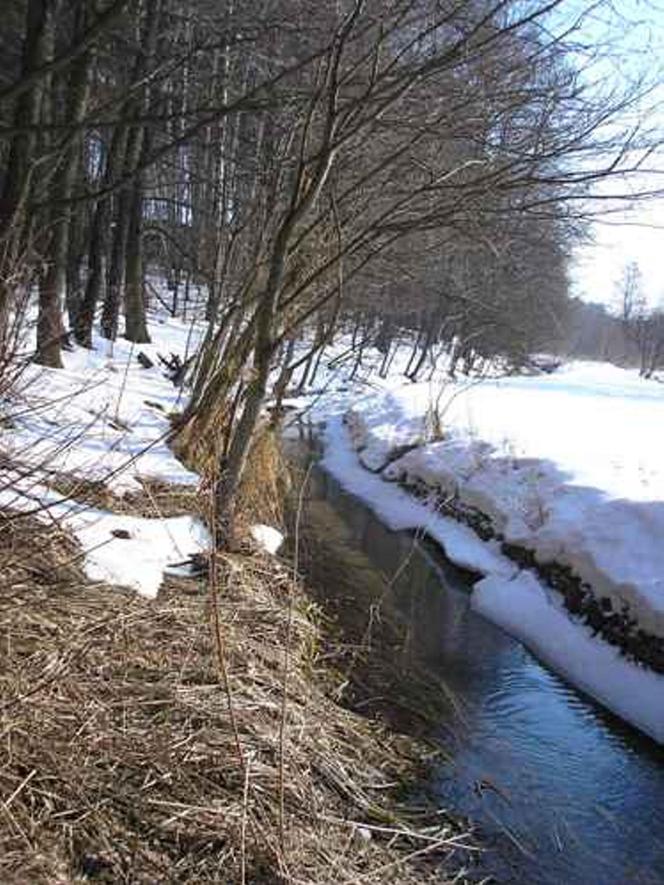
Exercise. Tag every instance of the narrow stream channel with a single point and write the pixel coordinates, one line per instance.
(562, 792)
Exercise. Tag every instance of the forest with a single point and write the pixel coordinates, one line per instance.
(365, 166)
(330, 506)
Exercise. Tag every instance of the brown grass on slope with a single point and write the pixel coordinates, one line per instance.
(119, 759)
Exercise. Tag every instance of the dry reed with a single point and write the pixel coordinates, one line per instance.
(118, 759)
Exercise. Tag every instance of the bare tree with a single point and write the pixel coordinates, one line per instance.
(362, 165)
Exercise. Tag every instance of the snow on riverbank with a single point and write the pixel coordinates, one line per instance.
(400, 510)
(104, 417)
(568, 466)
(523, 609)
(512, 598)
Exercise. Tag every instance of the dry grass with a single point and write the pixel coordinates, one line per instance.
(265, 484)
(198, 444)
(155, 499)
(118, 761)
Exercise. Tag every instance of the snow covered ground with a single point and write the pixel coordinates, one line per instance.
(103, 417)
(569, 466)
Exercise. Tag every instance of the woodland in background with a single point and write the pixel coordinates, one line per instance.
(366, 167)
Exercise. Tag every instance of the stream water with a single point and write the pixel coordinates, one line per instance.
(561, 791)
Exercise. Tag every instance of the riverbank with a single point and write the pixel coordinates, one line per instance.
(548, 486)
(149, 740)
(566, 465)
(168, 715)
(510, 596)
(614, 625)
(545, 774)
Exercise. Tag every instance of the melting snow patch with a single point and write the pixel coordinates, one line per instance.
(130, 551)
(133, 551)
(268, 538)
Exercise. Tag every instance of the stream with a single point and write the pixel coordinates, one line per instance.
(560, 790)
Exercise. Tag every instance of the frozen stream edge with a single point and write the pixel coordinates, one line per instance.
(513, 599)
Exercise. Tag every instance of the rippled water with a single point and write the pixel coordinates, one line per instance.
(562, 791)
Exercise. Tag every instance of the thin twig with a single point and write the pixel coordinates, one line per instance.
(243, 826)
(218, 633)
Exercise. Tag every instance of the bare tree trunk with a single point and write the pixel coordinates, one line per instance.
(455, 356)
(232, 466)
(359, 353)
(116, 272)
(125, 215)
(75, 252)
(53, 284)
(285, 375)
(413, 353)
(387, 360)
(85, 313)
(14, 225)
(424, 353)
(135, 322)
(309, 362)
(98, 242)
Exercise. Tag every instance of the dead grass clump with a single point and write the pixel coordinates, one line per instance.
(93, 492)
(265, 483)
(197, 440)
(156, 498)
(120, 761)
(159, 498)
(33, 552)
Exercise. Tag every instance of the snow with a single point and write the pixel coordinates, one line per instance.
(268, 538)
(400, 511)
(104, 417)
(140, 560)
(118, 548)
(568, 465)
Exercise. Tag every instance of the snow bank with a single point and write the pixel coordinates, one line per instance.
(381, 441)
(567, 465)
(510, 597)
(399, 510)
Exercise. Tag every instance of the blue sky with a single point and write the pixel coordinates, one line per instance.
(630, 34)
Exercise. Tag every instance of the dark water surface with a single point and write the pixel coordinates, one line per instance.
(562, 791)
